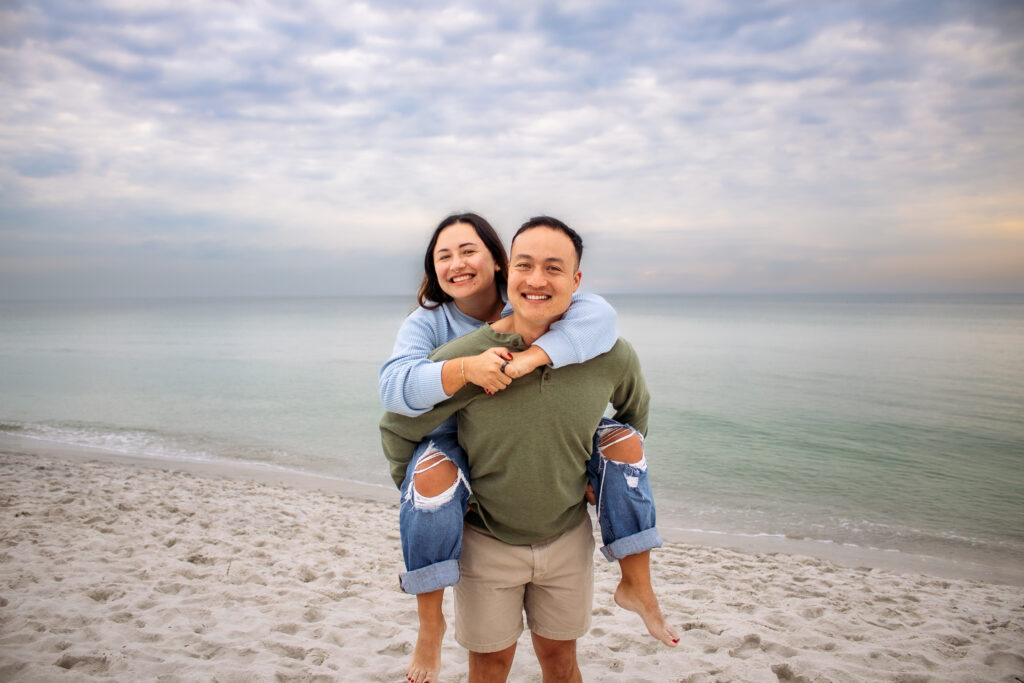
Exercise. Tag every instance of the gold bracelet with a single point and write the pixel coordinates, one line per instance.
(462, 368)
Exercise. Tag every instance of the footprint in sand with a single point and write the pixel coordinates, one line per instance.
(1006, 660)
(785, 673)
(84, 664)
(751, 644)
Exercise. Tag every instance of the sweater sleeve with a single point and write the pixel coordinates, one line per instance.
(631, 399)
(588, 329)
(400, 434)
(409, 382)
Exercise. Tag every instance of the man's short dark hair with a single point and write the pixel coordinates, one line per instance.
(554, 224)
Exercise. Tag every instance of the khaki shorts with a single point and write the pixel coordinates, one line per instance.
(552, 581)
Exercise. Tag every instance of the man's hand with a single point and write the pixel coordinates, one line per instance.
(589, 495)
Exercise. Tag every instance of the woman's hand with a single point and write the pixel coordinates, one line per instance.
(485, 369)
(526, 362)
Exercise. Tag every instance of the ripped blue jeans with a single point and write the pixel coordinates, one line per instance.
(431, 527)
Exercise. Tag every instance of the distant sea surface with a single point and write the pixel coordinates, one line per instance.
(881, 422)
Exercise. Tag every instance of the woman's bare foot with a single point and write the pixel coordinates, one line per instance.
(636, 594)
(641, 599)
(425, 666)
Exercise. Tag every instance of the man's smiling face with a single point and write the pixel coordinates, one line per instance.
(542, 275)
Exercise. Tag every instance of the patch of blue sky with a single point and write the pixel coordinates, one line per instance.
(45, 163)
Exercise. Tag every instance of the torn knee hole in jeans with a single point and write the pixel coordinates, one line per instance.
(429, 460)
(630, 471)
(421, 502)
(626, 445)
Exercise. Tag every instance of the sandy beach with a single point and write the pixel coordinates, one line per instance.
(113, 568)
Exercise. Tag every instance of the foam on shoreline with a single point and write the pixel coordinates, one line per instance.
(672, 529)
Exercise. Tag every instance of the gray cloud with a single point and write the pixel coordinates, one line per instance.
(846, 132)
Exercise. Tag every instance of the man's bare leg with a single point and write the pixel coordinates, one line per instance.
(557, 660)
(433, 476)
(491, 667)
(635, 591)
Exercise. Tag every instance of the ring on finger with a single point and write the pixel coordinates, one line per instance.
(503, 365)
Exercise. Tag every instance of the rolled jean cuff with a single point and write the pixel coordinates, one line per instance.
(431, 578)
(631, 545)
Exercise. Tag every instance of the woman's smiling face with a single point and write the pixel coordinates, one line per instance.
(464, 266)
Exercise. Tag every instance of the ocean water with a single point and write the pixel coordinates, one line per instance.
(882, 422)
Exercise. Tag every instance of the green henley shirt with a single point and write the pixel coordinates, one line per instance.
(528, 445)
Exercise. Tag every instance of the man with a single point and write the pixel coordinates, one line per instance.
(528, 543)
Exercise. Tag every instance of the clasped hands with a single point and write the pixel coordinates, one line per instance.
(494, 369)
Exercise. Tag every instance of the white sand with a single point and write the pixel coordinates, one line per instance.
(113, 570)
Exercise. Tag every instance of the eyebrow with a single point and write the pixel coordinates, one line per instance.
(550, 259)
(464, 244)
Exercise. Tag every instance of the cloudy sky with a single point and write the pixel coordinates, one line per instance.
(165, 148)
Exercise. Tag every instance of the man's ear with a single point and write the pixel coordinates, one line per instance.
(576, 280)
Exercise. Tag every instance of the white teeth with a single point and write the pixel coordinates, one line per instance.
(461, 278)
(536, 297)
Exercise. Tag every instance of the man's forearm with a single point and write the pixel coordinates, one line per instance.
(397, 449)
(632, 399)
(400, 435)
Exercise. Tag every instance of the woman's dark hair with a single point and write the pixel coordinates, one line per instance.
(431, 295)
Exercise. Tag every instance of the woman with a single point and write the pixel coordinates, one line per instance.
(463, 287)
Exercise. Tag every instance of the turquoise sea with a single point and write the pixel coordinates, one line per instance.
(893, 423)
